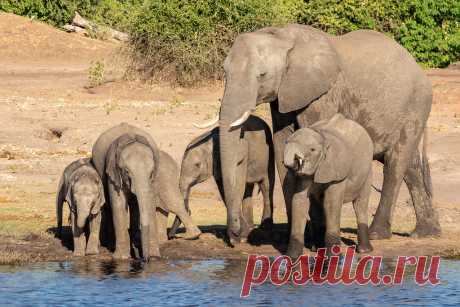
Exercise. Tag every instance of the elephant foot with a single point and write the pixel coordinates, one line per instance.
(92, 250)
(295, 248)
(79, 253)
(155, 252)
(192, 234)
(364, 248)
(377, 232)
(423, 230)
(117, 255)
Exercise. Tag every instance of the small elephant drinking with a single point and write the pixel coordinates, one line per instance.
(333, 161)
(81, 187)
(126, 158)
(202, 160)
(130, 165)
(171, 200)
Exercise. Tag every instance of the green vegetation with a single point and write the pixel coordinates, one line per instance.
(186, 40)
(429, 29)
(96, 74)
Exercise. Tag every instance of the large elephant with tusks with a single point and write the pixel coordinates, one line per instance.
(307, 75)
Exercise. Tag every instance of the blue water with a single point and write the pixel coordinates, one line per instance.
(189, 283)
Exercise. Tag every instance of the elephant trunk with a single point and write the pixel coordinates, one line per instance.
(236, 104)
(185, 191)
(291, 154)
(145, 201)
(83, 210)
(229, 140)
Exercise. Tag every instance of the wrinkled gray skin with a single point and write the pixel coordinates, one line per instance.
(332, 160)
(81, 187)
(201, 161)
(307, 75)
(171, 199)
(127, 172)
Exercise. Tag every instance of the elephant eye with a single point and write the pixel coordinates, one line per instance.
(263, 74)
(312, 149)
(197, 164)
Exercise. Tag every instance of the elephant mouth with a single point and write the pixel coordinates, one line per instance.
(303, 167)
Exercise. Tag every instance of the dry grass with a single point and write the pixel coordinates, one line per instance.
(12, 257)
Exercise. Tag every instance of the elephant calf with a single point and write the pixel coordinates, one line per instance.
(333, 161)
(202, 160)
(81, 187)
(130, 165)
(170, 199)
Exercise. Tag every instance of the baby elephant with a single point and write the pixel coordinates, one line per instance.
(202, 160)
(332, 160)
(81, 187)
(171, 200)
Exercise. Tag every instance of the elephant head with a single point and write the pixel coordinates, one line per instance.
(319, 154)
(85, 196)
(197, 163)
(293, 65)
(132, 166)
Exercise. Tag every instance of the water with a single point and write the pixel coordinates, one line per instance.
(189, 283)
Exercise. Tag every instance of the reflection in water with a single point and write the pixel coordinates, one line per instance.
(210, 282)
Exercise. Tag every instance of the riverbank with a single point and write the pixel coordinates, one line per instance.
(51, 116)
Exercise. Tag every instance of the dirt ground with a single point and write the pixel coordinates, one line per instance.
(50, 116)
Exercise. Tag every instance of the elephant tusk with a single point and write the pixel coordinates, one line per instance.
(208, 124)
(240, 120)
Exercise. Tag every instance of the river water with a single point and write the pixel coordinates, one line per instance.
(210, 282)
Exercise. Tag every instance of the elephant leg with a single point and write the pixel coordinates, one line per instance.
(333, 201)
(396, 161)
(283, 127)
(174, 203)
(266, 187)
(300, 208)
(120, 217)
(360, 205)
(427, 219)
(162, 225)
(247, 214)
(317, 226)
(79, 240)
(92, 247)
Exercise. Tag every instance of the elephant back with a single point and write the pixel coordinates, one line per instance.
(102, 144)
(168, 168)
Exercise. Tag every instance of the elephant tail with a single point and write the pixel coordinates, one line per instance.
(60, 196)
(426, 166)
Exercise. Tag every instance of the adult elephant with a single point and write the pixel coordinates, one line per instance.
(307, 75)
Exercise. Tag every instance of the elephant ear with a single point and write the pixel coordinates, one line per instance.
(100, 201)
(311, 70)
(69, 198)
(336, 162)
(111, 169)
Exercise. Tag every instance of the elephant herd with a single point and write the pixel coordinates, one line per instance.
(337, 103)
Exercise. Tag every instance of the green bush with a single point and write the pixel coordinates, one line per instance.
(114, 13)
(187, 40)
(55, 12)
(429, 29)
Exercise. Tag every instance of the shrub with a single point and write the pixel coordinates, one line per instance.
(186, 41)
(56, 12)
(429, 29)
